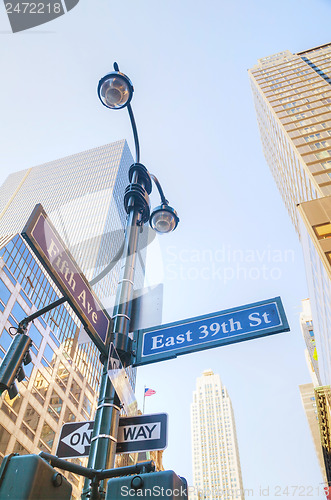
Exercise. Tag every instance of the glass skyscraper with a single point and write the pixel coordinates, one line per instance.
(83, 196)
(216, 463)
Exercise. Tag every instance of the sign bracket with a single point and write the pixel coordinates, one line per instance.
(24, 323)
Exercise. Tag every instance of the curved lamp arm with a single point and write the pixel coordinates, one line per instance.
(133, 122)
(135, 132)
(160, 190)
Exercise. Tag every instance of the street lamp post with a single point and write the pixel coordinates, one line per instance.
(115, 91)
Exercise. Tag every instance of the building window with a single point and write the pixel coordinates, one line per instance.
(31, 421)
(4, 439)
(18, 312)
(323, 231)
(47, 438)
(19, 448)
(87, 405)
(323, 154)
(35, 335)
(5, 340)
(4, 292)
(68, 416)
(49, 357)
(62, 377)
(40, 388)
(55, 406)
(11, 406)
(326, 164)
(25, 297)
(10, 276)
(75, 392)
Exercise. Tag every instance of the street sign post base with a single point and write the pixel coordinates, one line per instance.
(30, 477)
(140, 486)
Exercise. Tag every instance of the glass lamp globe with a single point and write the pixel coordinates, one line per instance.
(115, 90)
(164, 219)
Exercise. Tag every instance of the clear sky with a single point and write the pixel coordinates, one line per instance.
(198, 134)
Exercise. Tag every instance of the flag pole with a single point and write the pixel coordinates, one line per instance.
(144, 400)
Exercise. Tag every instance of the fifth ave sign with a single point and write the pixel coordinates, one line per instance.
(55, 256)
(211, 330)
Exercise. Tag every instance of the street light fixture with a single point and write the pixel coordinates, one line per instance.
(115, 92)
(163, 219)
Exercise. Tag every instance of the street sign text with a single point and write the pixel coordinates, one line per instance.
(138, 433)
(55, 256)
(212, 330)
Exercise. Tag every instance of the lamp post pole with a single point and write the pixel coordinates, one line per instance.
(103, 443)
(115, 91)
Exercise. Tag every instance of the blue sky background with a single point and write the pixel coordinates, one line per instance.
(198, 133)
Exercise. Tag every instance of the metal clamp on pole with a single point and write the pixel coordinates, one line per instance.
(109, 404)
(105, 436)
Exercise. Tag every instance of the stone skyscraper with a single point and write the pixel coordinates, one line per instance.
(216, 464)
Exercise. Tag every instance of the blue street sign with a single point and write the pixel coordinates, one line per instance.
(211, 330)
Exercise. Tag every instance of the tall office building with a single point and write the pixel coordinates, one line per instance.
(83, 195)
(292, 96)
(216, 464)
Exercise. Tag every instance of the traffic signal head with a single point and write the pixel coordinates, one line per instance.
(29, 477)
(154, 484)
(12, 365)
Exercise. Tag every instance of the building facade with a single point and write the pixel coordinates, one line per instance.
(312, 393)
(83, 196)
(307, 330)
(308, 399)
(292, 97)
(216, 464)
(315, 232)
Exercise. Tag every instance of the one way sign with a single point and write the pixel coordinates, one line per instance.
(75, 439)
(142, 433)
(135, 434)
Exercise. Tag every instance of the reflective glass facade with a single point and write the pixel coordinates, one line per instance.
(83, 195)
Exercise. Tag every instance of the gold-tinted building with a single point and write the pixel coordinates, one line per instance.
(308, 398)
(292, 96)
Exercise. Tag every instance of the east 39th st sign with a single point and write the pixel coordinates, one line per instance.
(212, 330)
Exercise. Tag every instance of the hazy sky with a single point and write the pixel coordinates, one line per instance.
(235, 243)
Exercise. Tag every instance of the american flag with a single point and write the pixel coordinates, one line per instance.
(149, 392)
